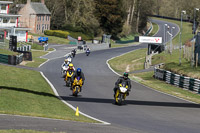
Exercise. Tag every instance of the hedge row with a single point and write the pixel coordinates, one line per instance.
(64, 34)
(57, 33)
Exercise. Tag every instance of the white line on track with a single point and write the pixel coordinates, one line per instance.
(56, 93)
(145, 85)
(46, 58)
(72, 107)
(142, 84)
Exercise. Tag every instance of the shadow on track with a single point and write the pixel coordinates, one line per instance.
(109, 101)
(132, 102)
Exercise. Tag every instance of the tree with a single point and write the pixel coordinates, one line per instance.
(80, 14)
(111, 16)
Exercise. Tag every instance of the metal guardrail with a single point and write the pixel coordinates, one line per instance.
(11, 59)
(24, 48)
(4, 58)
(19, 58)
(149, 30)
(177, 80)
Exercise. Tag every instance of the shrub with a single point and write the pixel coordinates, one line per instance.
(83, 36)
(64, 34)
(58, 33)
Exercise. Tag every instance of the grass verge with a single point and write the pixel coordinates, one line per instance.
(36, 59)
(25, 92)
(7, 52)
(53, 39)
(155, 29)
(171, 61)
(148, 80)
(129, 62)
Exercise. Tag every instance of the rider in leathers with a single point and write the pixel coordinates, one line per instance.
(121, 80)
(80, 74)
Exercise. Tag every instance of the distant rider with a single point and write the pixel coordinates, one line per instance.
(69, 56)
(66, 63)
(73, 52)
(88, 49)
(80, 74)
(122, 79)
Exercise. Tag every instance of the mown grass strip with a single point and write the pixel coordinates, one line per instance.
(7, 52)
(171, 61)
(25, 92)
(53, 39)
(36, 59)
(155, 29)
(135, 61)
(147, 79)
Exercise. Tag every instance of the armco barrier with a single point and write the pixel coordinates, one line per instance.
(177, 80)
(3, 58)
(19, 58)
(11, 59)
(24, 48)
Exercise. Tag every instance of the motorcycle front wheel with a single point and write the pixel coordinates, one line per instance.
(76, 90)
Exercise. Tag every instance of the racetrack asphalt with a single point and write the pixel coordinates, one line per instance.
(145, 110)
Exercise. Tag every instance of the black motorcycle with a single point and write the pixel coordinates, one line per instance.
(87, 52)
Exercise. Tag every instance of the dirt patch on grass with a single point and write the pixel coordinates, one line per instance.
(23, 63)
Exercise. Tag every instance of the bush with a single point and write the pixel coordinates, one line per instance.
(64, 34)
(58, 33)
(83, 36)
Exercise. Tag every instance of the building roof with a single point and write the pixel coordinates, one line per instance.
(6, 2)
(40, 8)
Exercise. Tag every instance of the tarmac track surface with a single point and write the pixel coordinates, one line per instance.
(145, 110)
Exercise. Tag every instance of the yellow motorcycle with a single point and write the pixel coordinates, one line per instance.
(121, 93)
(68, 78)
(76, 87)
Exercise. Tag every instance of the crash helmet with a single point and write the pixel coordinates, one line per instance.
(71, 66)
(78, 71)
(66, 61)
(125, 75)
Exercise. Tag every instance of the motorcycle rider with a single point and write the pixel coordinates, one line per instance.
(122, 79)
(73, 52)
(88, 49)
(69, 56)
(80, 74)
(65, 63)
(71, 67)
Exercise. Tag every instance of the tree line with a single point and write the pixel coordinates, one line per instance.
(116, 17)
